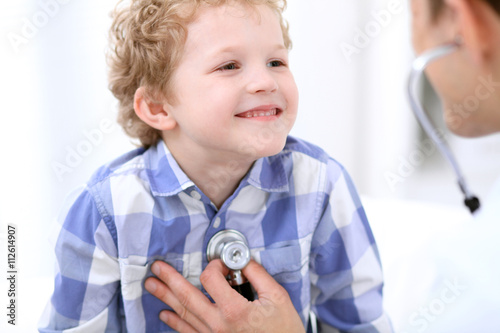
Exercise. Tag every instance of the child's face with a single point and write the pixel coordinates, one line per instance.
(235, 96)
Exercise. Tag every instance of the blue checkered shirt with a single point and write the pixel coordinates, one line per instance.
(298, 209)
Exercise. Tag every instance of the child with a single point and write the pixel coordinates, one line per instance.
(206, 88)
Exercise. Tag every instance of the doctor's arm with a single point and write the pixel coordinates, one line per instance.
(231, 312)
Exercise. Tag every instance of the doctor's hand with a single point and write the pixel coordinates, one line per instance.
(231, 312)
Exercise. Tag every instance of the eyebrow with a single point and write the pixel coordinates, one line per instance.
(232, 49)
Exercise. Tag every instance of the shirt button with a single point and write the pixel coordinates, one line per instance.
(195, 195)
(217, 223)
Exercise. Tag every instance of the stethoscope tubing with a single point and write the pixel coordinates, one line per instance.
(418, 67)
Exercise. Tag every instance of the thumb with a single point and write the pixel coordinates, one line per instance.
(263, 283)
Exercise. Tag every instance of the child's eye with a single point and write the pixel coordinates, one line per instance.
(228, 67)
(276, 63)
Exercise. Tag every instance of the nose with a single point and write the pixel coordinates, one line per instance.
(262, 80)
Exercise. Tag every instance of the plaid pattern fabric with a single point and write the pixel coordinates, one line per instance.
(299, 211)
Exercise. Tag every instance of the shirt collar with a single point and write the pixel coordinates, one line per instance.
(167, 178)
(268, 174)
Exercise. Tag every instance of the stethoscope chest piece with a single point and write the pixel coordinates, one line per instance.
(232, 248)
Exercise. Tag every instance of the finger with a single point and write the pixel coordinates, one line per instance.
(214, 280)
(176, 323)
(185, 292)
(263, 283)
(218, 266)
(184, 298)
(165, 294)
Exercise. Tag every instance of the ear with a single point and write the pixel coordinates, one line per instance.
(153, 113)
(478, 25)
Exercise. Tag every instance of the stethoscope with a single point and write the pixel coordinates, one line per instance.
(231, 247)
(418, 67)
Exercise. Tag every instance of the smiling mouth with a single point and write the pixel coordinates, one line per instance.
(259, 113)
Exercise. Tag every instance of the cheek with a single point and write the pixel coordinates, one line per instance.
(418, 38)
(217, 92)
(291, 94)
(420, 25)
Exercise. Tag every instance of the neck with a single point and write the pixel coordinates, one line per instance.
(216, 175)
(218, 181)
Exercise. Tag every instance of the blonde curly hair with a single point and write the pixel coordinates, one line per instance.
(147, 39)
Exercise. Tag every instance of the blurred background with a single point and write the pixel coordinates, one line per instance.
(350, 60)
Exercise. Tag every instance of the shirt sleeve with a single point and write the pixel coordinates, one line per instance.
(86, 294)
(346, 272)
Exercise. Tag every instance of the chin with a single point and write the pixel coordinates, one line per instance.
(469, 129)
(267, 148)
(275, 149)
